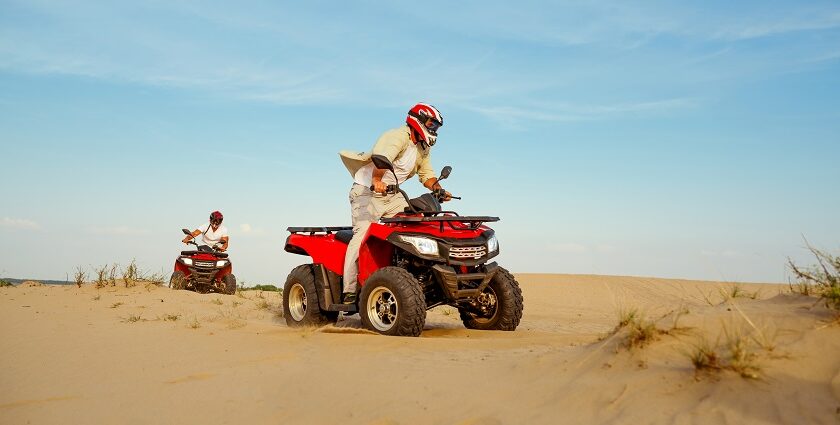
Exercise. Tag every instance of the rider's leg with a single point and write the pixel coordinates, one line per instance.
(387, 205)
(362, 218)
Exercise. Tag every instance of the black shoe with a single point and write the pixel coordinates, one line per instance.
(349, 298)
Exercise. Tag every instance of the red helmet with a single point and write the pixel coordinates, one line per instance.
(216, 216)
(425, 120)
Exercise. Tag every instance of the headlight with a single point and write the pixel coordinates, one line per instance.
(492, 244)
(221, 263)
(187, 261)
(423, 246)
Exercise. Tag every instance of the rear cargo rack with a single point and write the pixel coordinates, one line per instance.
(314, 230)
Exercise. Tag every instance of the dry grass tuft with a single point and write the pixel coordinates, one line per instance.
(117, 304)
(217, 301)
(740, 352)
(171, 317)
(742, 356)
(639, 329)
(736, 290)
(80, 276)
(263, 305)
(133, 318)
(704, 356)
(153, 279)
(130, 274)
(821, 280)
(112, 275)
(101, 277)
(194, 323)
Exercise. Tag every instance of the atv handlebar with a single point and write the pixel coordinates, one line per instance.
(217, 247)
(440, 195)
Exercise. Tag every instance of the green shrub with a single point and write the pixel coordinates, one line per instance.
(821, 279)
(270, 288)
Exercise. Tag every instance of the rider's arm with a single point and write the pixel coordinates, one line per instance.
(191, 236)
(432, 184)
(224, 242)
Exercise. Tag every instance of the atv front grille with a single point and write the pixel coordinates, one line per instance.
(205, 264)
(467, 252)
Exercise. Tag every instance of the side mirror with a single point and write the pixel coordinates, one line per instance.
(186, 232)
(382, 162)
(445, 172)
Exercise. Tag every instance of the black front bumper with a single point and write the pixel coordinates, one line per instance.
(455, 285)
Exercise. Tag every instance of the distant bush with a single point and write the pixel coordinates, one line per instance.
(270, 288)
(821, 279)
(4, 283)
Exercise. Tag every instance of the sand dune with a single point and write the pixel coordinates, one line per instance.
(153, 355)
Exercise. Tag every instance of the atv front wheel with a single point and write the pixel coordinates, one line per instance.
(300, 300)
(498, 308)
(392, 303)
(178, 281)
(230, 284)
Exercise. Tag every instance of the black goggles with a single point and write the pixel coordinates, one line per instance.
(433, 125)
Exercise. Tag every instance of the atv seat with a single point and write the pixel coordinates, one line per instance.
(344, 235)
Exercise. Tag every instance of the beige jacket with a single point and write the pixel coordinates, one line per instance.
(392, 144)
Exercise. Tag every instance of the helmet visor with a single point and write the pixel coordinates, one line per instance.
(432, 125)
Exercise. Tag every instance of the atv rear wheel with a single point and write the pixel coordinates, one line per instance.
(178, 281)
(499, 307)
(392, 303)
(300, 300)
(230, 284)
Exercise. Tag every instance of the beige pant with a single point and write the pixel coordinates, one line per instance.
(366, 207)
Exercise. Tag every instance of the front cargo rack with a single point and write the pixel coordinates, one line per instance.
(473, 221)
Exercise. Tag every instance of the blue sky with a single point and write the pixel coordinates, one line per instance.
(673, 139)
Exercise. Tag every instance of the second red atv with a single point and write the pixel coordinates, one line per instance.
(206, 269)
(408, 264)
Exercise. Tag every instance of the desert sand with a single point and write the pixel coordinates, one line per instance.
(153, 355)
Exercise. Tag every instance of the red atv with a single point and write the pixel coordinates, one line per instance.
(204, 270)
(409, 263)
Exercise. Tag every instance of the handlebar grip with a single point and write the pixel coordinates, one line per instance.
(391, 188)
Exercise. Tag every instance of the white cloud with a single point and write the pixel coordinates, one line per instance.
(245, 229)
(117, 231)
(780, 25)
(567, 112)
(19, 224)
(568, 247)
(725, 253)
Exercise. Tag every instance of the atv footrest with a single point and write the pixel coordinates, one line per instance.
(349, 308)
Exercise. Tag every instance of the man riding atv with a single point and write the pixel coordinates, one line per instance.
(214, 233)
(208, 268)
(409, 150)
